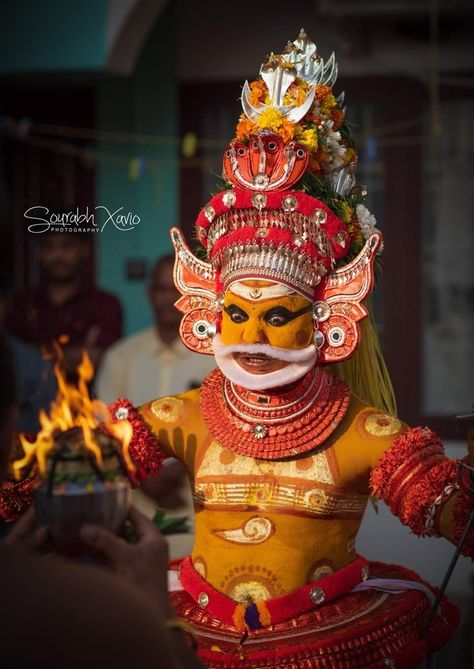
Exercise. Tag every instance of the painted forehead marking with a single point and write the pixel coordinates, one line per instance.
(260, 292)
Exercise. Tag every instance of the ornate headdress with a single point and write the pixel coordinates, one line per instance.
(288, 210)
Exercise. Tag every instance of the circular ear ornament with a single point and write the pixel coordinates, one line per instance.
(197, 329)
(320, 311)
(341, 336)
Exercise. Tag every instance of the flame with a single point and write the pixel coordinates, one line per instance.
(123, 431)
(73, 407)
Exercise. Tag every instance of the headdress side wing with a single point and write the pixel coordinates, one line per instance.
(195, 280)
(343, 294)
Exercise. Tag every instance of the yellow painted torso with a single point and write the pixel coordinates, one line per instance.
(266, 527)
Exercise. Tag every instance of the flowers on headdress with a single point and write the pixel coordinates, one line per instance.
(245, 128)
(259, 93)
(367, 222)
(272, 119)
(307, 138)
(318, 130)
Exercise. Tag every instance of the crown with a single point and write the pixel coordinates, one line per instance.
(286, 236)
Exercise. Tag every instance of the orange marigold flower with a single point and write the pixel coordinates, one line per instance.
(258, 93)
(245, 127)
(322, 92)
(328, 104)
(312, 118)
(337, 116)
(272, 119)
(286, 130)
(350, 155)
(296, 93)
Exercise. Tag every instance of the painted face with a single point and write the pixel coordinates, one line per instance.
(265, 312)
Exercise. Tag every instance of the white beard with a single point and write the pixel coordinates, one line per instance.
(300, 362)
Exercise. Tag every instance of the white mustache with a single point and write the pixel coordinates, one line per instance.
(299, 361)
(285, 354)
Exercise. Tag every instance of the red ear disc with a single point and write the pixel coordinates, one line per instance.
(341, 337)
(196, 328)
(265, 164)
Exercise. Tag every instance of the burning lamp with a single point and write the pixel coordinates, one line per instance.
(82, 462)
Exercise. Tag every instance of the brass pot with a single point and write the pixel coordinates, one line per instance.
(76, 491)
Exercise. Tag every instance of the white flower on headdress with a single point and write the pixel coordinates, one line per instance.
(332, 140)
(367, 222)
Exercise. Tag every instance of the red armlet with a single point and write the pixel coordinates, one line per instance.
(414, 477)
(144, 447)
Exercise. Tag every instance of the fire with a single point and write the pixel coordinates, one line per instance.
(73, 408)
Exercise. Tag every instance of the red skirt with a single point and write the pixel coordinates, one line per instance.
(362, 629)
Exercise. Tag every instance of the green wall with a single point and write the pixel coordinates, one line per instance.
(144, 103)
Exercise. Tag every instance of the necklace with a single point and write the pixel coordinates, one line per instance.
(276, 423)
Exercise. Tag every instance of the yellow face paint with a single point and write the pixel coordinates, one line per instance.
(258, 319)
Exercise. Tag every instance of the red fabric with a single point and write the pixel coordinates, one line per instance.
(281, 608)
(360, 630)
(15, 498)
(306, 205)
(35, 320)
(144, 448)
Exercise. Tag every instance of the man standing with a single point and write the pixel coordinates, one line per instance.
(153, 362)
(66, 307)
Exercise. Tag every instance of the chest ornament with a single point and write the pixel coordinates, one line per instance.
(278, 423)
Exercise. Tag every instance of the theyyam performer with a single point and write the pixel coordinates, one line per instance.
(288, 438)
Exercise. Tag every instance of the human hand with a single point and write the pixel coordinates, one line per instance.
(166, 488)
(145, 564)
(26, 533)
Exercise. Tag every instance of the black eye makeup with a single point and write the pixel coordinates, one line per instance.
(276, 317)
(236, 314)
(279, 316)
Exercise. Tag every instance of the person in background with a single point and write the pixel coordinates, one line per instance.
(59, 614)
(153, 362)
(37, 384)
(66, 307)
(36, 381)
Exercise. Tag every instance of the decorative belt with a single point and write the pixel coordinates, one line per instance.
(271, 611)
